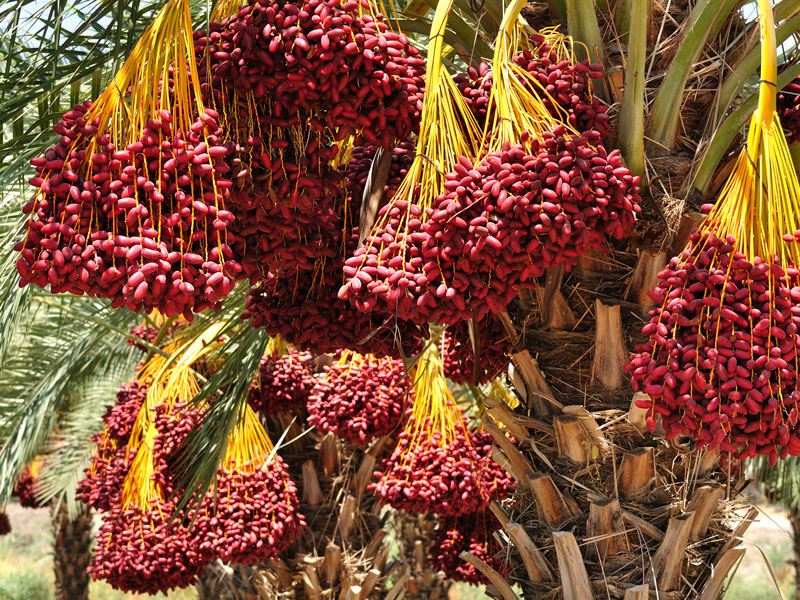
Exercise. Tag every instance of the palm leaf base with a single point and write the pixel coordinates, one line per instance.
(604, 508)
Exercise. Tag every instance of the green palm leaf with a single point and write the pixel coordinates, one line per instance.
(56, 358)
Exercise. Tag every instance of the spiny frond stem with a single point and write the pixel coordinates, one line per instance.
(704, 23)
(746, 66)
(727, 131)
(631, 137)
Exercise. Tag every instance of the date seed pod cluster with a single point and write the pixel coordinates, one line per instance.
(284, 381)
(535, 194)
(471, 533)
(720, 360)
(564, 83)
(255, 514)
(25, 489)
(103, 478)
(360, 398)
(438, 464)
(130, 202)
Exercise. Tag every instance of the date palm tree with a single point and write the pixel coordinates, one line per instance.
(603, 507)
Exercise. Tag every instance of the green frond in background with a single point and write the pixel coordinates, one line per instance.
(70, 447)
(780, 483)
(228, 388)
(13, 299)
(52, 55)
(58, 356)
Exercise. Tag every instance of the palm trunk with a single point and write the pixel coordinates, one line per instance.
(72, 538)
(794, 520)
(597, 493)
(604, 508)
(223, 582)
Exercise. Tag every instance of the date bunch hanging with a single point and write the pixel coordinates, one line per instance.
(386, 272)
(305, 310)
(130, 203)
(720, 360)
(438, 464)
(540, 195)
(564, 83)
(103, 478)
(255, 514)
(472, 533)
(360, 398)
(535, 194)
(329, 59)
(145, 544)
(292, 250)
(25, 489)
(284, 182)
(458, 349)
(284, 381)
(297, 83)
(141, 547)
